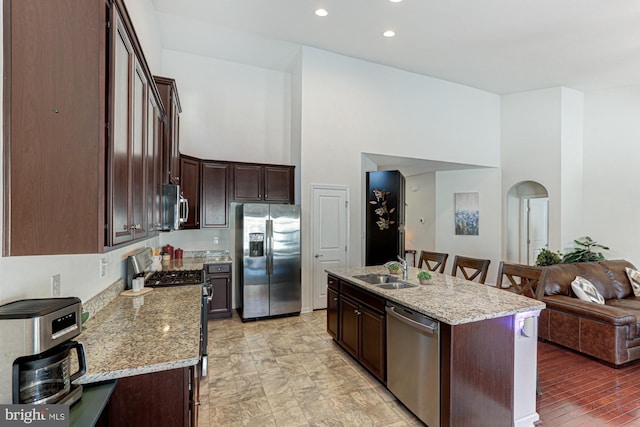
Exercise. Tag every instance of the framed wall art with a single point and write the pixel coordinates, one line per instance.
(467, 213)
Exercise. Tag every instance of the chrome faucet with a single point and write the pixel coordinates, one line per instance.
(402, 263)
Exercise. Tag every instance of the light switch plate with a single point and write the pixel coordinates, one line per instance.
(55, 285)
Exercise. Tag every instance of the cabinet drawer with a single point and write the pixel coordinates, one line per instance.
(332, 282)
(373, 301)
(218, 268)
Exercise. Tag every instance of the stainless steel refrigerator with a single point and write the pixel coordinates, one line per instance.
(268, 252)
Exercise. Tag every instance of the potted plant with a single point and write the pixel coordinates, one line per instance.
(424, 277)
(546, 257)
(583, 252)
(394, 269)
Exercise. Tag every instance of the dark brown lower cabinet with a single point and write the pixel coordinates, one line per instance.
(332, 313)
(219, 276)
(166, 398)
(361, 328)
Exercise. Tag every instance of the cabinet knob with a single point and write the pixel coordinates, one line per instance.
(335, 299)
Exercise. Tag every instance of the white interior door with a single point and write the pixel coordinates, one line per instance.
(330, 231)
(537, 227)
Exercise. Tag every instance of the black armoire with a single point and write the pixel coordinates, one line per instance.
(385, 210)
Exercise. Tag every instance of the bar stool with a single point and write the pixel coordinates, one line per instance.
(523, 279)
(471, 268)
(435, 261)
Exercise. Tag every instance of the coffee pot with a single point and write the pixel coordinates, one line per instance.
(37, 355)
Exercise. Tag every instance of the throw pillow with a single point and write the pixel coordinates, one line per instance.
(585, 290)
(634, 278)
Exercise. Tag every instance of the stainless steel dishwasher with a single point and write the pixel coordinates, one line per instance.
(413, 361)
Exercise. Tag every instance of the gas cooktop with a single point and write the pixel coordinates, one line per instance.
(175, 278)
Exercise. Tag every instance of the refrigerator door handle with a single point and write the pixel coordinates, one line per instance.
(269, 249)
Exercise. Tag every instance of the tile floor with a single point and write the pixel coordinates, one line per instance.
(289, 372)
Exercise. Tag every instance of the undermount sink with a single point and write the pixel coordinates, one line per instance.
(384, 281)
(397, 285)
(376, 279)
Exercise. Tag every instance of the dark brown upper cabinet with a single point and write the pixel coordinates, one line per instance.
(216, 178)
(190, 187)
(171, 138)
(76, 135)
(263, 183)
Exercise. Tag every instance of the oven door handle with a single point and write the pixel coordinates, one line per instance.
(209, 290)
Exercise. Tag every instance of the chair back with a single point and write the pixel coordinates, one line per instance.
(522, 279)
(435, 261)
(471, 268)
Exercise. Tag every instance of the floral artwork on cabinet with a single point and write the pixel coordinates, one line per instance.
(467, 213)
(381, 209)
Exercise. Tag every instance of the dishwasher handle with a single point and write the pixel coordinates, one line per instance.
(391, 310)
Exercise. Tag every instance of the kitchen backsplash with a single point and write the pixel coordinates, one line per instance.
(198, 240)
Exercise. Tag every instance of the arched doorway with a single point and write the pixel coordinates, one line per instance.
(527, 221)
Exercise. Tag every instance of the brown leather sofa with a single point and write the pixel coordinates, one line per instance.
(609, 332)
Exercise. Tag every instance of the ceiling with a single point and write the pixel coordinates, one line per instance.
(501, 46)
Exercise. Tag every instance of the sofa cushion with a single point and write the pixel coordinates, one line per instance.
(634, 278)
(585, 290)
(616, 271)
(609, 277)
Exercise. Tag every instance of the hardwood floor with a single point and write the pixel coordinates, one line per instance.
(579, 391)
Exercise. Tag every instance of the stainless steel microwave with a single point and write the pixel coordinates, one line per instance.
(175, 208)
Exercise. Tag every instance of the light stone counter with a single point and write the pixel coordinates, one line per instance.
(193, 263)
(137, 335)
(448, 299)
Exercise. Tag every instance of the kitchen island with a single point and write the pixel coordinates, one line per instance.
(487, 341)
(151, 344)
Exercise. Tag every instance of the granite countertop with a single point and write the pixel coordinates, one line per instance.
(191, 263)
(136, 335)
(448, 299)
(196, 261)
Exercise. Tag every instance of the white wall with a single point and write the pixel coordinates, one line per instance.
(542, 137)
(571, 176)
(611, 159)
(351, 106)
(29, 277)
(231, 111)
(531, 126)
(147, 28)
(488, 243)
(420, 197)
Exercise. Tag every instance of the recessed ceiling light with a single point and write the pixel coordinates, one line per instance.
(395, 1)
(321, 12)
(389, 33)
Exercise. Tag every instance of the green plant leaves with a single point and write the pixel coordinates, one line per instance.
(582, 253)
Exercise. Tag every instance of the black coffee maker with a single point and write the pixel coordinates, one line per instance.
(37, 358)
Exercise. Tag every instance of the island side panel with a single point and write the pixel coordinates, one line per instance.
(477, 373)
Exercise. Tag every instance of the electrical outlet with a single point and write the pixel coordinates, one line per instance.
(55, 285)
(103, 266)
(215, 240)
